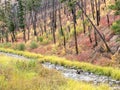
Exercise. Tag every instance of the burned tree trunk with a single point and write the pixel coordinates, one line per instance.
(75, 33)
(97, 31)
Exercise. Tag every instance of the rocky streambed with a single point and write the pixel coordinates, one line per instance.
(84, 76)
(76, 74)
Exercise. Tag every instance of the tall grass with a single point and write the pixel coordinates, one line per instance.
(108, 71)
(30, 75)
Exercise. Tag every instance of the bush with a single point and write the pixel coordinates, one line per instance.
(40, 39)
(116, 27)
(20, 47)
(33, 45)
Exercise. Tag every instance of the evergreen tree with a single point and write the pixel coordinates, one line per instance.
(116, 8)
(21, 13)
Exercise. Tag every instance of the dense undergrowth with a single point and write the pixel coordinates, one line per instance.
(108, 71)
(16, 74)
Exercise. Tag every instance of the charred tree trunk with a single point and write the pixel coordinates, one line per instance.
(108, 20)
(75, 33)
(53, 22)
(14, 37)
(61, 26)
(97, 31)
(34, 23)
(83, 19)
(89, 30)
(95, 37)
(92, 8)
(97, 13)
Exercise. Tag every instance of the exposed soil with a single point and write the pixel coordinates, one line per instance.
(87, 52)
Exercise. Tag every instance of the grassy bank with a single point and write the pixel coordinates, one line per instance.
(16, 74)
(108, 71)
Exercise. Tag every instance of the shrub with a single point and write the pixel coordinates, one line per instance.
(116, 27)
(40, 39)
(20, 47)
(33, 45)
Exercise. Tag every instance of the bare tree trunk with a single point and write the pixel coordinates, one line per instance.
(97, 31)
(83, 19)
(95, 36)
(89, 30)
(28, 32)
(6, 35)
(108, 20)
(92, 8)
(34, 23)
(53, 22)
(24, 35)
(61, 26)
(75, 33)
(97, 13)
(14, 37)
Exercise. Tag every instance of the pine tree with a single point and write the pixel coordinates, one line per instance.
(21, 18)
(116, 8)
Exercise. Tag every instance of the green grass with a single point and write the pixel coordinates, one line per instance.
(5, 45)
(108, 71)
(17, 74)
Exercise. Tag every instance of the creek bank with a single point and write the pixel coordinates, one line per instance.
(82, 75)
(74, 74)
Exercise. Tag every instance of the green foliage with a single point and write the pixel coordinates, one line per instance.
(11, 26)
(45, 39)
(33, 4)
(79, 14)
(20, 47)
(69, 3)
(40, 39)
(33, 45)
(21, 13)
(116, 7)
(6, 45)
(116, 27)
